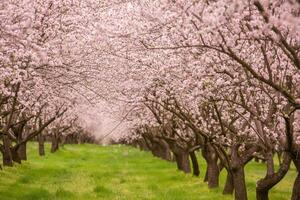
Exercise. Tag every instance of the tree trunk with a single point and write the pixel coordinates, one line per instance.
(264, 185)
(229, 187)
(296, 187)
(156, 150)
(165, 151)
(22, 150)
(212, 169)
(54, 143)
(270, 164)
(196, 171)
(213, 173)
(161, 149)
(142, 145)
(237, 165)
(15, 155)
(7, 156)
(204, 155)
(183, 162)
(41, 141)
(240, 191)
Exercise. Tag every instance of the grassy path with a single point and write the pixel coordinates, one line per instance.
(88, 172)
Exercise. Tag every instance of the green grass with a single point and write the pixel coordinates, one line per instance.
(87, 172)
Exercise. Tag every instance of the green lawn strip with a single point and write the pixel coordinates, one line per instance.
(79, 172)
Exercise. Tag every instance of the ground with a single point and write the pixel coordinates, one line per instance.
(88, 172)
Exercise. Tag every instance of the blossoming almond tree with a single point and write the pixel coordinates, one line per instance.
(221, 76)
(251, 50)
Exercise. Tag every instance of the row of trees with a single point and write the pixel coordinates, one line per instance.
(41, 79)
(221, 77)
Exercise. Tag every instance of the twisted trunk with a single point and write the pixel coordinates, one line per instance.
(264, 185)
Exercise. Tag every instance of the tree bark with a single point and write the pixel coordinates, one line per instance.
(238, 174)
(7, 156)
(15, 155)
(156, 150)
(41, 141)
(165, 151)
(196, 171)
(160, 149)
(264, 185)
(212, 169)
(270, 164)
(54, 143)
(240, 191)
(296, 187)
(213, 173)
(22, 151)
(183, 162)
(229, 187)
